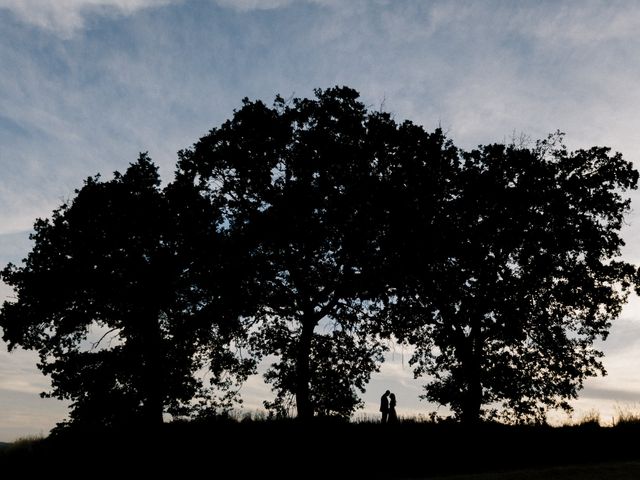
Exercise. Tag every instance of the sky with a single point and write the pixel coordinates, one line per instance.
(85, 85)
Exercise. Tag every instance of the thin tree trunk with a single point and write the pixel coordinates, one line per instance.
(472, 400)
(303, 370)
(154, 397)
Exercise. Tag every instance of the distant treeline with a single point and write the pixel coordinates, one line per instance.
(313, 231)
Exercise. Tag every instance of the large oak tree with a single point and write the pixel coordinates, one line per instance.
(529, 275)
(114, 299)
(300, 182)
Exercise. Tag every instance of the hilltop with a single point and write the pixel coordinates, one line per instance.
(290, 449)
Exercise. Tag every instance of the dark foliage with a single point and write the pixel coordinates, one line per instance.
(109, 298)
(300, 188)
(310, 231)
(524, 274)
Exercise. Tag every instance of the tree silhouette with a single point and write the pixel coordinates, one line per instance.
(299, 183)
(310, 231)
(526, 278)
(120, 258)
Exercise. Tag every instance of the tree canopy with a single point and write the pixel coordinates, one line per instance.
(117, 260)
(529, 277)
(299, 183)
(311, 231)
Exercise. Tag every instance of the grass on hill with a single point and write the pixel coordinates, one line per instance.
(253, 446)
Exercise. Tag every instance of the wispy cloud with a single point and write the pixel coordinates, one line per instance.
(584, 24)
(247, 5)
(25, 414)
(66, 16)
(18, 372)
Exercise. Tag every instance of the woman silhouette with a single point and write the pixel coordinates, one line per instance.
(393, 417)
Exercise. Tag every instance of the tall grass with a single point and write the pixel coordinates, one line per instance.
(23, 444)
(590, 418)
(628, 414)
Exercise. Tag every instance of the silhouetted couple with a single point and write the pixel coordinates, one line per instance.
(388, 407)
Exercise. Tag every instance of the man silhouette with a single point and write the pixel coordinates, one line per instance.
(384, 406)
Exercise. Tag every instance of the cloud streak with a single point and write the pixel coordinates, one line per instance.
(248, 5)
(67, 16)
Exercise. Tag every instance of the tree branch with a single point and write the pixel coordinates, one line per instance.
(94, 345)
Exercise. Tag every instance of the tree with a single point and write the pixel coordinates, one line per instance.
(120, 259)
(300, 186)
(527, 278)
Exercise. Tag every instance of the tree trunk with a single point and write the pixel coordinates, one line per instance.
(472, 397)
(153, 408)
(472, 403)
(303, 370)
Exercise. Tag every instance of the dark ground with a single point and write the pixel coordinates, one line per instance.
(288, 449)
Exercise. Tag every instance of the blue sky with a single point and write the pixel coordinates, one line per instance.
(87, 84)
